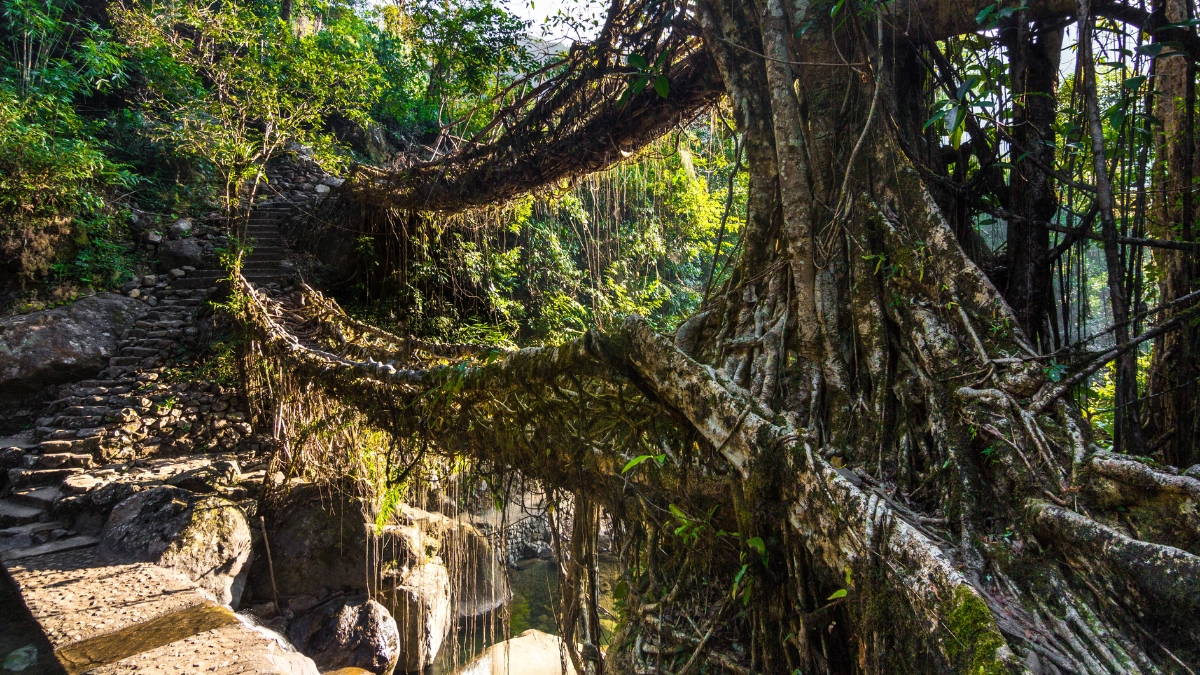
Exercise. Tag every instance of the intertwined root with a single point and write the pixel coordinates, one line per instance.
(575, 415)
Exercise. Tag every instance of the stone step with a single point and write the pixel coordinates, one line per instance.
(196, 283)
(58, 546)
(22, 536)
(14, 515)
(57, 460)
(38, 498)
(167, 314)
(62, 444)
(21, 478)
(129, 618)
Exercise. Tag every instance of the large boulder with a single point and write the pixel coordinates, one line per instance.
(318, 547)
(530, 653)
(180, 252)
(479, 579)
(63, 344)
(207, 539)
(425, 568)
(208, 479)
(348, 632)
(320, 544)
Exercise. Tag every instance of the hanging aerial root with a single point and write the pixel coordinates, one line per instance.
(578, 124)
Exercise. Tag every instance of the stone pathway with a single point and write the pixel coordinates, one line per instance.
(103, 439)
(264, 265)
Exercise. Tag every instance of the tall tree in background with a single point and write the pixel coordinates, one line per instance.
(1174, 394)
(1034, 50)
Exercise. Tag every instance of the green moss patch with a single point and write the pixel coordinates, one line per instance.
(975, 639)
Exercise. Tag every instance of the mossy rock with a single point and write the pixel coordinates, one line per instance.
(206, 539)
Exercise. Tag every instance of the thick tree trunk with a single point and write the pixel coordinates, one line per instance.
(1127, 429)
(1172, 407)
(1034, 52)
(866, 327)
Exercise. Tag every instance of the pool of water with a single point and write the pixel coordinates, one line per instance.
(23, 648)
(535, 592)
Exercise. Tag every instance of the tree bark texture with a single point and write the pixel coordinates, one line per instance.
(1034, 53)
(1173, 414)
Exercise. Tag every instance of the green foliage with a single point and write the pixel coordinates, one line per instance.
(639, 239)
(642, 458)
(232, 254)
(53, 174)
(469, 46)
(219, 364)
(103, 262)
(228, 85)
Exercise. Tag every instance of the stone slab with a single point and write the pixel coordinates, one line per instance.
(38, 498)
(12, 514)
(233, 649)
(65, 544)
(75, 596)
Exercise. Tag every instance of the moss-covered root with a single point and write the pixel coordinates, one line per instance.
(975, 644)
(1165, 574)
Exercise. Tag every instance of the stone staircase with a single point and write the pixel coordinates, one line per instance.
(114, 418)
(264, 264)
(101, 435)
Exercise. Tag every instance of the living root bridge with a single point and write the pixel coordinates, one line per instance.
(846, 524)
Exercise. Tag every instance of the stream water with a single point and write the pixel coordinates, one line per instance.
(23, 648)
(534, 586)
